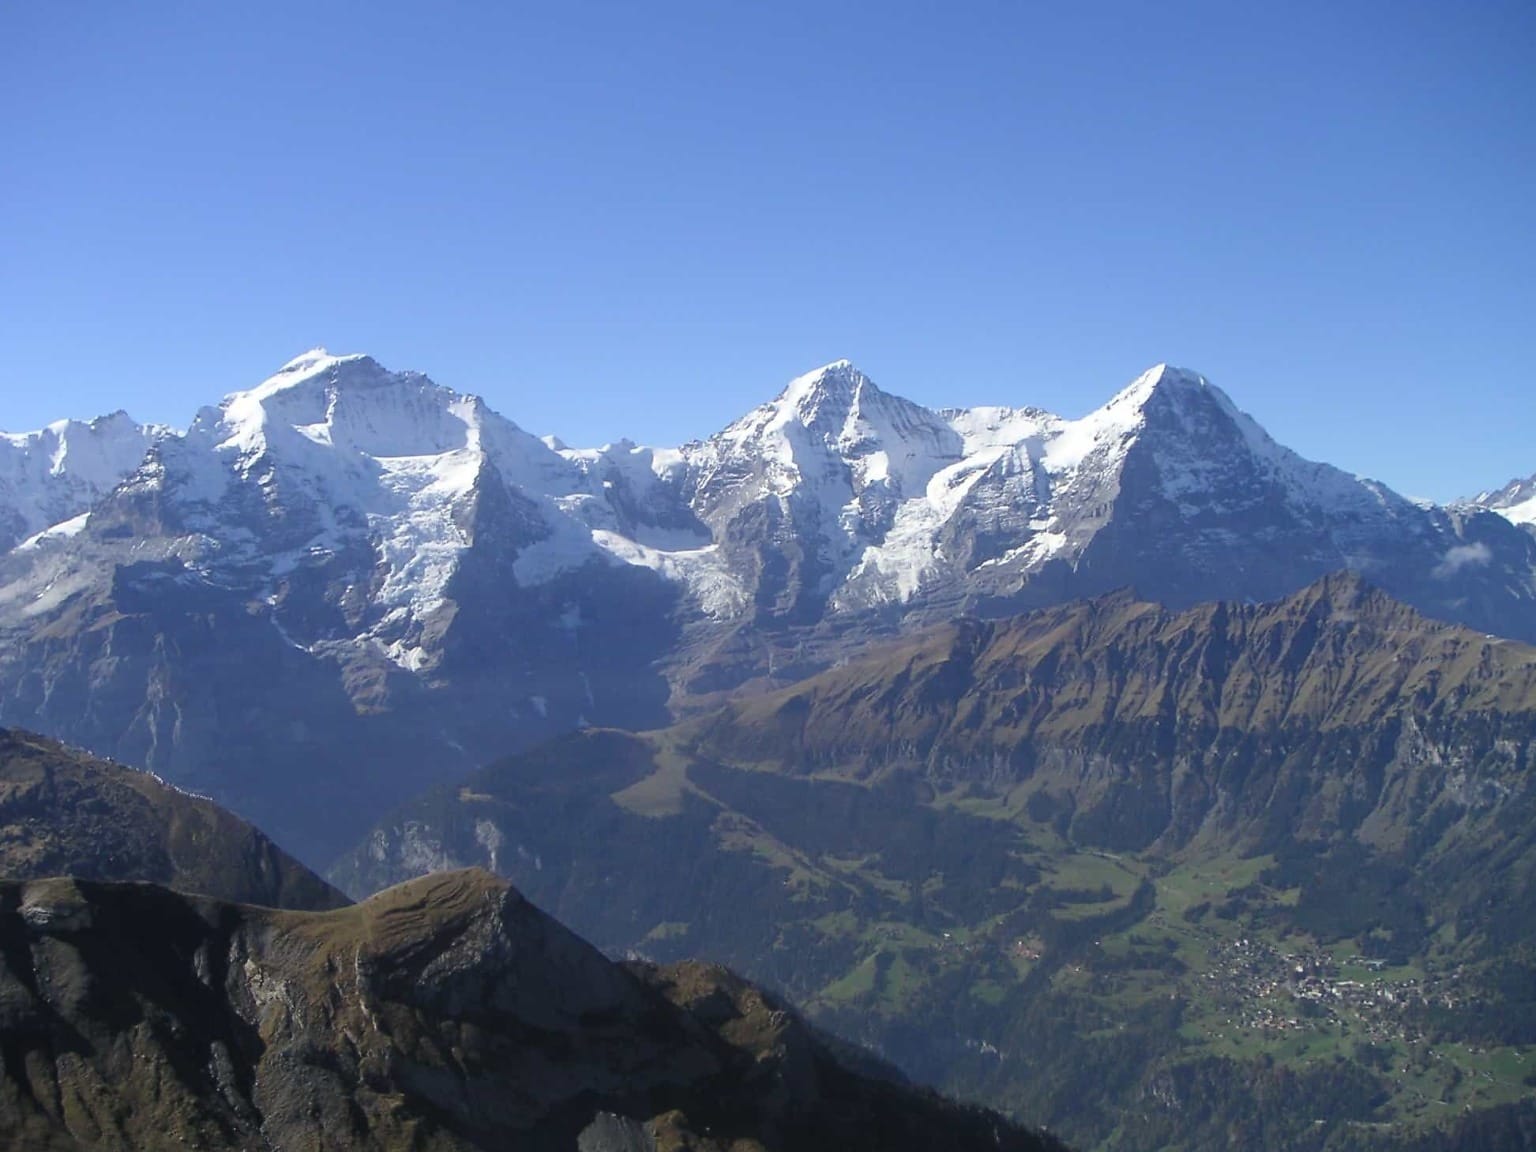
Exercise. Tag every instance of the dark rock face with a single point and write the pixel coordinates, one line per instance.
(446, 1014)
(1155, 727)
(64, 814)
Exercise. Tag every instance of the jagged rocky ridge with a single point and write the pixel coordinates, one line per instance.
(63, 813)
(1516, 501)
(51, 476)
(414, 584)
(1149, 727)
(445, 1014)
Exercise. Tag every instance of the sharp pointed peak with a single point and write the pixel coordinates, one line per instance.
(1345, 594)
(837, 373)
(839, 382)
(315, 367)
(825, 396)
(1164, 379)
(1169, 387)
(1172, 374)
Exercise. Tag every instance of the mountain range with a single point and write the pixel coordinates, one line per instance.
(349, 583)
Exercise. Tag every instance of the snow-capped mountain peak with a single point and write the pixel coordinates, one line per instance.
(307, 362)
(356, 411)
(824, 395)
(349, 402)
(91, 450)
(1175, 391)
(822, 400)
(1167, 376)
(335, 462)
(828, 438)
(1163, 394)
(1516, 501)
(1213, 458)
(57, 472)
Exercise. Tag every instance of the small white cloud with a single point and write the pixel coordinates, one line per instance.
(1463, 556)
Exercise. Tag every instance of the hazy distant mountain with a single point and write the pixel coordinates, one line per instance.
(448, 1014)
(51, 476)
(1516, 501)
(347, 583)
(63, 813)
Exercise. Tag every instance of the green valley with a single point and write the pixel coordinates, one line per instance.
(1230, 877)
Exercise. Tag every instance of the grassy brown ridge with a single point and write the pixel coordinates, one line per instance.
(1338, 655)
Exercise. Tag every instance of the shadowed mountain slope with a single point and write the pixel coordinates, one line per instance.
(445, 1014)
(63, 813)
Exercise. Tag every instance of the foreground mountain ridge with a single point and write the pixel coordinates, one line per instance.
(134, 1017)
(445, 1014)
(416, 584)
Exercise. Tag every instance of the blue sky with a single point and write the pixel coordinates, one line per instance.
(641, 219)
